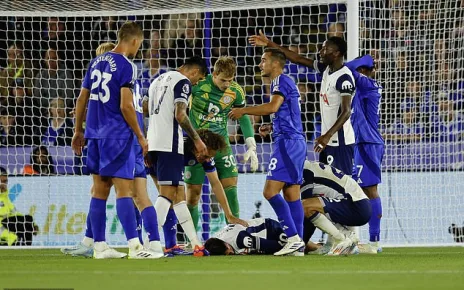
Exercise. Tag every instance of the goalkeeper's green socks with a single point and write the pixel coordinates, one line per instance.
(232, 199)
(193, 209)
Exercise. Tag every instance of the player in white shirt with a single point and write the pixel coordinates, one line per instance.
(336, 144)
(262, 236)
(328, 197)
(167, 107)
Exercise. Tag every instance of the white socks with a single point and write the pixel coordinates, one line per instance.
(88, 242)
(185, 220)
(323, 223)
(162, 206)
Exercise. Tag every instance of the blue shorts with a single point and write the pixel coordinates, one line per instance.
(168, 167)
(111, 157)
(340, 157)
(140, 169)
(367, 169)
(287, 161)
(347, 212)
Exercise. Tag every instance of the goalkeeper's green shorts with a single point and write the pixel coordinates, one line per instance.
(225, 163)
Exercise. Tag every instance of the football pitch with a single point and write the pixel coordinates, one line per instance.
(395, 268)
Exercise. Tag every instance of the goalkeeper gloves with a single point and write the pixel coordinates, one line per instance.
(251, 153)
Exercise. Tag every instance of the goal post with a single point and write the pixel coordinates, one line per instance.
(45, 48)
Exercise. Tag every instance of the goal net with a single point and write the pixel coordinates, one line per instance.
(418, 45)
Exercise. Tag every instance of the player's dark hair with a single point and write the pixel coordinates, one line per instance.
(3, 171)
(276, 54)
(212, 140)
(215, 247)
(129, 30)
(198, 62)
(340, 43)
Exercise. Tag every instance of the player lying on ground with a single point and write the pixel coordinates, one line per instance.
(369, 148)
(107, 94)
(212, 99)
(214, 143)
(262, 236)
(288, 149)
(328, 197)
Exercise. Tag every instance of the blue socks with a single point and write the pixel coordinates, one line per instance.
(170, 229)
(150, 223)
(126, 214)
(282, 210)
(88, 230)
(138, 220)
(374, 222)
(296, 210)
(97, 213)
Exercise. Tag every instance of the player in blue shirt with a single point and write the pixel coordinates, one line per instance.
(111, 128)
(289, 148)
(369, 148)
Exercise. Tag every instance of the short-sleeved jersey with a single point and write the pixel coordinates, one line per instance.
(365, 115)
(286, 122)
(240, 238)
(164, 132)
(107, 74)
(324, 180)
(209, 105)
(334, 86)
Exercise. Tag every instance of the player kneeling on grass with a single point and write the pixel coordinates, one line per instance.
(328, 197)
(262, 236)
(214, 143)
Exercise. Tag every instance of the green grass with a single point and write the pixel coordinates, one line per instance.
(395, 268)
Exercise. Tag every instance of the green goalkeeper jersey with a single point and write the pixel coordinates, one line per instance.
(209, 106)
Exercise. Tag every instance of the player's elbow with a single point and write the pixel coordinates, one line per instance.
(273, 108)
(179, 116)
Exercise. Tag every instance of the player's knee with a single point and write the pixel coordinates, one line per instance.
(371, 191)
(193, 194)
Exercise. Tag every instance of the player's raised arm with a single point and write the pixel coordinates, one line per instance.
(262, 40)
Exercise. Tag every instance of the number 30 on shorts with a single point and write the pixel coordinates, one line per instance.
(229, 161)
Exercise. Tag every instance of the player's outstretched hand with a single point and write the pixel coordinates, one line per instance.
(144, 144)
(259, 40)
(236, 221)
(78, 142)
(201, 148)
(235, 113)
(265, 130)
(320, 143)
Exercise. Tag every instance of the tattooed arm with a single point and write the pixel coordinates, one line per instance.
(184, 122)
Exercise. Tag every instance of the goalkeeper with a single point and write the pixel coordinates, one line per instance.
(212, 99)
(15, 229)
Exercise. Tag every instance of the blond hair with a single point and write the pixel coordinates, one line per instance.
(105, 47)
(225, 65)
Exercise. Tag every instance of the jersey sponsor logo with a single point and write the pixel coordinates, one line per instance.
(248, 242)
(275, 89)
(210, 118)
(188, 175)
(359, 181)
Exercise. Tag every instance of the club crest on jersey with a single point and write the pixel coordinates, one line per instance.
(191, 162)
(188, 174)
(227, 98)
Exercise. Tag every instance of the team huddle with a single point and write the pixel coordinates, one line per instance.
(187, 112)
